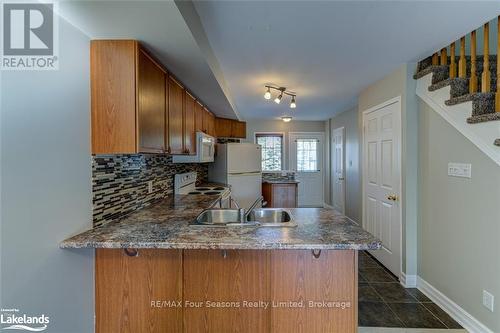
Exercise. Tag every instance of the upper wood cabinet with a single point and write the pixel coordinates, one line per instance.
(137, 107)
(199, 112)
(189, 124)
(229, 128)
(127, 99)
(208, 122)
(150, 104)
(175, 116)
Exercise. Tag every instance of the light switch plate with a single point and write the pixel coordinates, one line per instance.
(488, 300)
(460, 170)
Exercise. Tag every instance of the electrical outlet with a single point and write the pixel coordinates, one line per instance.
(150, 187)
(463, 170)
(488, 300)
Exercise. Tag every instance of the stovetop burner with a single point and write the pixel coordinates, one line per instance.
(195, 192)
(219, 188)
(211, 192)
(203, 189)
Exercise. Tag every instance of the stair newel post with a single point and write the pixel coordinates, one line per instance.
(497, 95)
(453, 65)
(444, 57)
(486, 77)
(462, 62)
(473, 68)
(435, 59)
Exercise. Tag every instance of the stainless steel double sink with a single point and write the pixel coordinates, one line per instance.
(262, 217)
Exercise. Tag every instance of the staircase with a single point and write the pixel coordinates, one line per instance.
(469, 82)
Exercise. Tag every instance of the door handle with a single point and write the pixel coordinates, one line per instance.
(341, 178)
(392, 197)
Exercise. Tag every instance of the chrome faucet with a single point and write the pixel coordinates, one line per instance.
(252, 207)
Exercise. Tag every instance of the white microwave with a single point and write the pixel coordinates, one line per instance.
(205, 150)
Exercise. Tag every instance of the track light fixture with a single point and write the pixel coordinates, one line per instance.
(267, 95)
(282, 91)
(286, 119)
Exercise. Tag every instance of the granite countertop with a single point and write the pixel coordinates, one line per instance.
(280, 181)
(165, 225)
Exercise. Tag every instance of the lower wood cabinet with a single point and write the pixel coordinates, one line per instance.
(213, 286)
(127, 286)
(280, 195)
(228, 277)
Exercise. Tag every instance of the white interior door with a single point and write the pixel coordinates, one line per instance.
(306, 159)
(338, 170)
(382, 180)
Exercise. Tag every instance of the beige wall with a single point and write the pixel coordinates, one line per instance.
(401, 83)
(459, 226)
(279, 126)
(350, 121)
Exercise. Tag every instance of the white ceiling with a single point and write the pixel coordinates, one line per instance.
(161, 27)
(326, 51)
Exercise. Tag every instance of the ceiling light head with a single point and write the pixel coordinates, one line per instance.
(286, 119)
(293, 105)
(277, 100)
(267, 95)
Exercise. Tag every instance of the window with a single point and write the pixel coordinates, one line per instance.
(272, 151)
(307, 155)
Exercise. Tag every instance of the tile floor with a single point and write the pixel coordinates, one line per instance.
(383, 302)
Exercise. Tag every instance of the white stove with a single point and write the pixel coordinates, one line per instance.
(185, 183)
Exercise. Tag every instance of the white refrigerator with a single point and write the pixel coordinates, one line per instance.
(239, 165)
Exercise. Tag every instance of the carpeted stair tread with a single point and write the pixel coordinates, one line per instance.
(484, 117)
(497, 142)
(462, 99)
(429, 69)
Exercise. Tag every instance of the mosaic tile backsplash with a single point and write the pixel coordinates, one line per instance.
(120, 183)
(278, 175)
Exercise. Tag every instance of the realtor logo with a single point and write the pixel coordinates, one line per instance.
(29, 32)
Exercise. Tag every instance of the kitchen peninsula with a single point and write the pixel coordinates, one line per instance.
(157, 273)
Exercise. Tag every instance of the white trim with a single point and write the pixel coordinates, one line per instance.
(323, 166)
(482, 134)
(464, 318)
(408, 281)
(341, 128)
(396, 99)
(325, 205)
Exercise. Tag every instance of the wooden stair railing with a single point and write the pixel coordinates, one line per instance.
(473, 68)
(462, 62)
(485, 77)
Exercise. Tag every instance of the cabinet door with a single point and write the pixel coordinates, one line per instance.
(238, 129)
(284, 195)
(198, 111)
(126, 287)
(206, 120)
(242, 275)
(112, 82)
(189, 124)
(151, 105)
(297, 275)
(175, 116)
(223, 127)
(211, 124)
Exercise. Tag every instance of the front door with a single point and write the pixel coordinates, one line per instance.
(382, 181)
(306, 159)
(338, 175)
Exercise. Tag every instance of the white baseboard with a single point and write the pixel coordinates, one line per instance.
(325, 205)
(464, 318)
(408, 281)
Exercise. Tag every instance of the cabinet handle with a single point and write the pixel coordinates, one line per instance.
(316, 253)
(131, 252)
(224, 254)
(168, 150)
